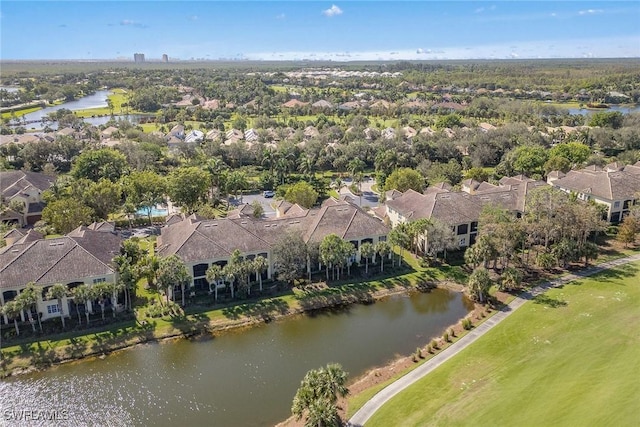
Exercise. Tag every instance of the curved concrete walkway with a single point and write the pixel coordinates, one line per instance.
(384, 395)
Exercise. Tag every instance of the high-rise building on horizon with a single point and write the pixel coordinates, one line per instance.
(165, 57)
(138, 57)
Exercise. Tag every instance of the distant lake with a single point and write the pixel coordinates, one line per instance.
(9, 89)
(587, 111)
(96, 100)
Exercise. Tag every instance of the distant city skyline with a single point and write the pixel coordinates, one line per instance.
(309, 30)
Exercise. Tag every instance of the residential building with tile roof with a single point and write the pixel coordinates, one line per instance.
(82, 256)
(201, 243)
(460, 209)
(27, 187)
(616, 189)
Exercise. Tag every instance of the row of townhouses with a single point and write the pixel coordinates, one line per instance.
(85, 255)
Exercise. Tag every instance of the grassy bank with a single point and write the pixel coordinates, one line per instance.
(20, 112)
(566, 358)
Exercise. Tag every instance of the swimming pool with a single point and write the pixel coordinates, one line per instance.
(154, 212)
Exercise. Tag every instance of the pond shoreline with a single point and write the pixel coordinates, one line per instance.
(209, 328)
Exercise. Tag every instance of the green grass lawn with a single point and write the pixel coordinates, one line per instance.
(569, 358)
(20, 113)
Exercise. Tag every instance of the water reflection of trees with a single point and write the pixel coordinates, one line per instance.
(434, 301)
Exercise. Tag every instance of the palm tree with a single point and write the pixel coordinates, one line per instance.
(330, 252)
(58, 292)
(334, 384)
(230, 273)
(216, 167)
(115, 289)
(478, 284)
(268, 159)
(356, 166)
(29, 299)
(382, 248)
(12, 310)
(306, 166)
(236, 181)
(77, 298)
(101, 291)
(173, 271)
(148, 268)
(511, 278)
(260, 265)
(367, 251)
(82, 295)
(318, 395)
(399, 237)
(214, 274)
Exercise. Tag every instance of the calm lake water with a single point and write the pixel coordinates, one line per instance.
(623, 110)
(96, 100)
(243, 378)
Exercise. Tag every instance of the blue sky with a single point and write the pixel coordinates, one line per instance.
(340, 30)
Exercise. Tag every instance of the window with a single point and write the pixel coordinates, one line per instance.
(201, 284)
(200, 270)
(463, 228)
(463, 241)
(382, 239)
(616, 204)
(474, 226)
(99, 280)
(52, 309)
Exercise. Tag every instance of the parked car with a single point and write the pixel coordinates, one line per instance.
(269, 194)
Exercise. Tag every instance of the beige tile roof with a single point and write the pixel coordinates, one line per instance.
(82, 253)
(13, 182)
(618, 185)
(460, 207)
(634, 169)
(217, 239)
(294, 103)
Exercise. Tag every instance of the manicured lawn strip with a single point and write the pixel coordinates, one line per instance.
(568, 358)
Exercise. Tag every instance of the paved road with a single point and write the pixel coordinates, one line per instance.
(363, 415)
(369, 198)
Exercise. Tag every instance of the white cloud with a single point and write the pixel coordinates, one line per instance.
(332, 11)
(193, 18)
(590, 11)
(616, 47)
(479, 10)
(553, 14)
(281, 17)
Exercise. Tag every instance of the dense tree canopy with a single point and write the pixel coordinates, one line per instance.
(187, 187)
(301, 193)
(67, 214)
(404, 179)
(98, 164)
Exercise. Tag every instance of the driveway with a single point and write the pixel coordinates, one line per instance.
(368, 198)
(250, 198)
